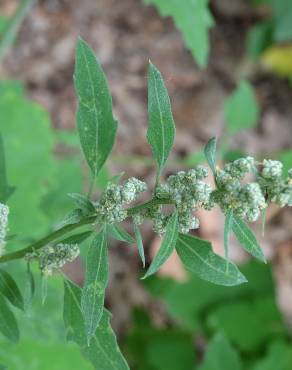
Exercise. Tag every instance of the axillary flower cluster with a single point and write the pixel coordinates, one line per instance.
(186, 192)
(4, 212)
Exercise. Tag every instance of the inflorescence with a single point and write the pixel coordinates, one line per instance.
(187, 192)
(4, 212)
(54, 257)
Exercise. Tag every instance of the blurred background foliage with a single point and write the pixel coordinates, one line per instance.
(199, 325)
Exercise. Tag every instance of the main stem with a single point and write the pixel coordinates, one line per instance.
(66, 229)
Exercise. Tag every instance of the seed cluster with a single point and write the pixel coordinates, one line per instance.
(54, 257)
(275, 187)
(111, 206)
(188, 192)
(246, 200)
(4, 212)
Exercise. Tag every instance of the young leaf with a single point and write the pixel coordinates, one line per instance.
(71, 218)
(82, 202)
(103, 351)
(29, 289)
(76, 238)
(247, 239)
(197, 256)
(227, 228)
(118, 233)
(44, 289)
(8, 324)
(96, 125)
(210, 154)
(167, 246)
(161, 129)
(241, 110)
(10, 290)
(139, 242)
(93, 292)
(5, 189)
(193, 19)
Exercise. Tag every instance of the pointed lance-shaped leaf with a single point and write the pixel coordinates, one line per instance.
(227, 229)
(5, 189)
(119, 233)
(103, 351)
(96, 124)
(247, 239)
(9, 289)
(210, 154)
(161, 128)
(8, 324)
(139, 242)
(96, 279)
(197, 256)
(167, 246)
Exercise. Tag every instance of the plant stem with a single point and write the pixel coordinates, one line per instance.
(67, 228)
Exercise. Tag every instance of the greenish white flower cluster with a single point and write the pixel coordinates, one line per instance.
(54, 257)
(111, 206)
(4, 212)
(188, 192)
(246, 200)
(276, 188)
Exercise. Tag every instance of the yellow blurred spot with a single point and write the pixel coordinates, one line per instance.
(278, 59)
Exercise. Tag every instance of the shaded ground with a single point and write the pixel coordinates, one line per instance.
(125, 34)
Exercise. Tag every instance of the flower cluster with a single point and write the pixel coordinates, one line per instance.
(110, 208)
(274, 186)
(4, 212)
(55, 257)
(187, 191)
(245, 200)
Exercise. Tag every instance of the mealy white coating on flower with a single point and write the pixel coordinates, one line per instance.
(110, 207)
(274, 185)
(188, 192)
(246, 200)
(272, 169)
(4, 212)
(54, 257)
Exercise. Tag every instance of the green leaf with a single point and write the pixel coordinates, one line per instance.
(210, 154)
(83, 203)
(119, 233)
(29, 288)
(8, 324)
(249, 324)
(279, 356)
(167, 246)
(193, 19)
(241, 110)
(5, 189)
(96, 125)
(161, 129)
(22, 129)
(247, 239)
(139, 242)
(93, 292)
(220, 355)
(197, 256)
(259, 37)
(71, 218)
(76, 238)
(103, 351)
(10, 290)
(227, 229)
